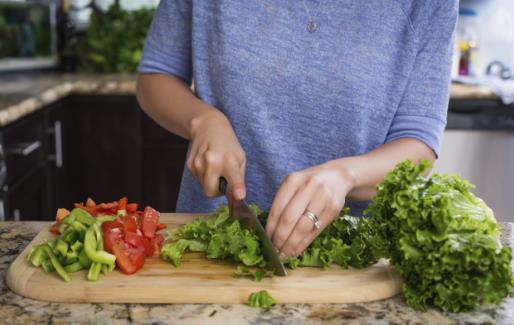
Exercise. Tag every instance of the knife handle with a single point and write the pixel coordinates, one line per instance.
(222, 186)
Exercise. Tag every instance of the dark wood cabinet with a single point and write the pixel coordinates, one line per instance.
(25, 189)
(105, 147)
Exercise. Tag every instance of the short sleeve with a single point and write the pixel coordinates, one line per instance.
(167, 48)
(423, 109)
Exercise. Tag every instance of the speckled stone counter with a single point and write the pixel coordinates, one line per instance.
(14, 309)
(22, 94)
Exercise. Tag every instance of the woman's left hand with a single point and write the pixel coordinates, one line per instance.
(321, 190)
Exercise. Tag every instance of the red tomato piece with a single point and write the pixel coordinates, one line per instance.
(157, 242)
(150, 221)
(129, 225)
(61, 214)
(110, 225)
(55, 229)
(132, 207)
(90, 203)
(139, 241)
(122, 203)
(161, 226)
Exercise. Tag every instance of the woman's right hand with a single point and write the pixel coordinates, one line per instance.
(215, 152)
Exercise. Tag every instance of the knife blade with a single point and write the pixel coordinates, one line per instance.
(239, 210)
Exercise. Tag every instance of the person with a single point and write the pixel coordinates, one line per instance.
(303, 106)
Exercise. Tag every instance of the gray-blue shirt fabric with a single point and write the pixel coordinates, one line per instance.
(373, 72)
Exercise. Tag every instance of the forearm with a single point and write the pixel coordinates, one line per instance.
(367, 170)
(171, 103)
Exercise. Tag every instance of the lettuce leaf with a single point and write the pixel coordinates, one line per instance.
(442, 239)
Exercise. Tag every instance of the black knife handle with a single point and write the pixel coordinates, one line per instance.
(222, 186)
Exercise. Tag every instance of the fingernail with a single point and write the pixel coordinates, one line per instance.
(240, 194)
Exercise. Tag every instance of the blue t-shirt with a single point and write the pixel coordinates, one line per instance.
(372, 72)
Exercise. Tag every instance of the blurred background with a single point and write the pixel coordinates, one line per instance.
(70, 126)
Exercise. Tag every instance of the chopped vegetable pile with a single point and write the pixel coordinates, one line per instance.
(261, 299)
(344, 242)
(79, 246)
(98, 237)
(442, 239)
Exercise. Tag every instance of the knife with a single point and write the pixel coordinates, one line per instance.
(239, 210)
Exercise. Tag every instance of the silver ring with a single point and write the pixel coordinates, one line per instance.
(312, 217)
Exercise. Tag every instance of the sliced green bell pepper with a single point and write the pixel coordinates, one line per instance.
(56, 264)
(75, 267)
(83, 217)
(84, 260)
(90, 246)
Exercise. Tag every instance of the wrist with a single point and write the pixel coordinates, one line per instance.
(201, 121)
(346, 170)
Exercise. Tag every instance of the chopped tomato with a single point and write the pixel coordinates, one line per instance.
(109, 225)
(150, 221)
(54, 229)
(122, 203)
(108, 208)
(90, 203)
(138, 241)
(128, 259)
(129, 225)
(61, 214)
(132, 207)
(161, 226)
(157, 242)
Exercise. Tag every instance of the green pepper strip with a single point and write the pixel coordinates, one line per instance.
(90, 244)
(73, 267)
(55, 263)
(94, 271)
(84, 260)
(37, 256)
(77, 246)
(83, 217)
(61, 247)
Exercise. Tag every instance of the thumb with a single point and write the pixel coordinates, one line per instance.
(236, 182)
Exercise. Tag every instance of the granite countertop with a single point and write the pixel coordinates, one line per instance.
(15, 309)
(21, 94)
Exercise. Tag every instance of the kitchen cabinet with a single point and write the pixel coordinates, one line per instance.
(24, 192)
(105, 147)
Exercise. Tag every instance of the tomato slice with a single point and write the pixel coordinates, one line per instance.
(54, 229)
(128, 259)
(122, 203)
(161, 226)
(129, 225)
(132, 207)
(90, 203)
(139, 241)
(157, 242)
(61, 214)
(150, 221)
(110, 225)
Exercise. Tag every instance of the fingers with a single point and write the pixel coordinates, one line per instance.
(284, 194)
(207, 166)
(291, 214)
(304, 229)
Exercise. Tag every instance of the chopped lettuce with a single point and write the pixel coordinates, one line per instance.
(257, 275)
(442, 239)
(261, 299)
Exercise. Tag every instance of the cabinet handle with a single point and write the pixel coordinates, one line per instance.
(17, 215)
(2, 211)
(24, 149)
(57, 132)
(58, 144)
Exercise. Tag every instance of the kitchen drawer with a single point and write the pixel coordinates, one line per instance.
(23, 146)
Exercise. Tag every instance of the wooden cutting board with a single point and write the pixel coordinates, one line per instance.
(199, 280)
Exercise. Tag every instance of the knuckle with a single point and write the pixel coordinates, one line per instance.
(197, 163)
(293, 178)
(210, 157)
(289, 218)
(315, 181)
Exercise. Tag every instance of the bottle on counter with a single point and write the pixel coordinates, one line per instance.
(467, 43)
